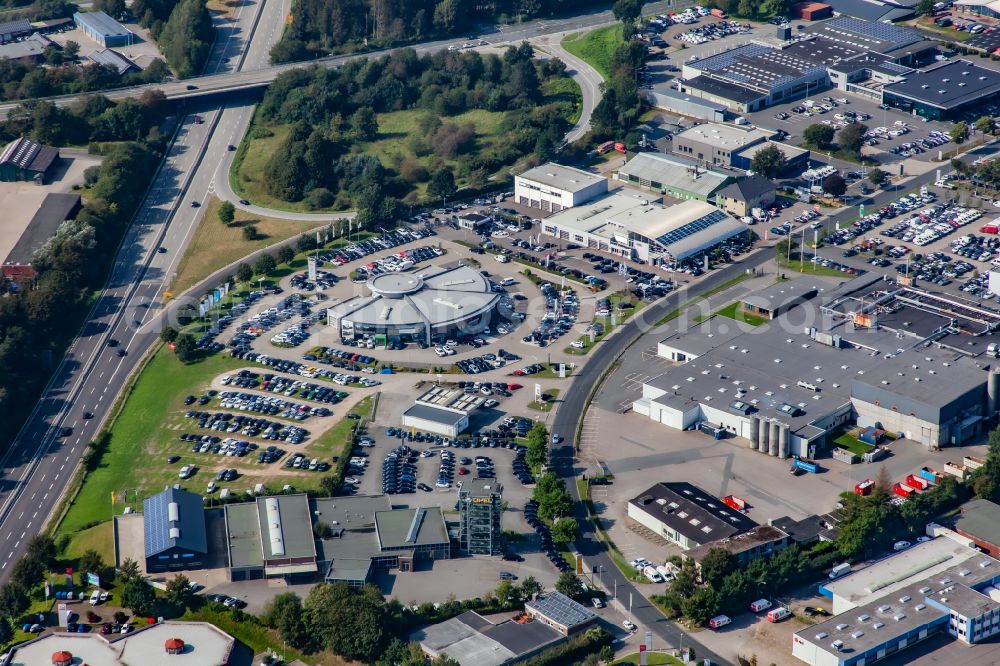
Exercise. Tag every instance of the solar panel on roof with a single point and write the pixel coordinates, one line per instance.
(692, 227)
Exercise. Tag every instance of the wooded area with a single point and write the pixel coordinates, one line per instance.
(332, 112)
(326, 26)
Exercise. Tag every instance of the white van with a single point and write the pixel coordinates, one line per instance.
(839, 570)
(502, 258)
(652, 574)
(719, 621)
(760, 605)
(95, 597)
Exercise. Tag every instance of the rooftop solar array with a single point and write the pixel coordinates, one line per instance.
(561, 609)
(20, 152)
(724, 59)
(692, 227)
(174, 518)
(865, 35)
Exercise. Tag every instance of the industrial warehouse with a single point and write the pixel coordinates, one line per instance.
(432, 304)
(940, 586)
(633, 226)
(846, 53)
(869, 351)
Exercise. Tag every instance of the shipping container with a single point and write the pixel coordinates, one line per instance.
(864, 488)
(735, 502)
(929, 474)
(972, 462)
(806, 465)
(619, 146)
(918, 482)
(902, 489)
(956, 469)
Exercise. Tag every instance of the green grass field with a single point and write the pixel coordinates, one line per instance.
(146, 432)
(652, 659)
(851, 443)
(548, 404)
(622, 317)
(596, 47)
(809, 268)
(733, 312)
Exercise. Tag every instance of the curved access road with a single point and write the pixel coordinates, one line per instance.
(588, 78)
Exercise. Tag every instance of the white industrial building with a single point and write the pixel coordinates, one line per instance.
(633, 226)
(553, 187)
(936, 587)
(442, 411)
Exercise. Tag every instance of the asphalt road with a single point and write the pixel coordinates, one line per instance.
(35, 471)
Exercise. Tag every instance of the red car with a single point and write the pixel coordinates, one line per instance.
(462, 471)
(513, 387)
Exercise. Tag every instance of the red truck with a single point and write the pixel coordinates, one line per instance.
(717, 13)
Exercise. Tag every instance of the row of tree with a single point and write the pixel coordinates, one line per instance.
(621, 105)
(62, 74)
(320, 27)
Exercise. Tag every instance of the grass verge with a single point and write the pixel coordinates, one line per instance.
(596, 47)
(216, 245)
(652, 659)
(851, 443)
(583, 489)
(547, 405)
(734, 312)
(621, 316)
(809, 268)
(673, 314)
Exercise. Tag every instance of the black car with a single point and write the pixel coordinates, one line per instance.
(88, 415)
(244, 202)
(112, 342)
(161, 250)
(172, 459)
(65, 432)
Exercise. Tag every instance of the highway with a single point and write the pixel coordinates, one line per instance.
(258, 72)
(35, 471)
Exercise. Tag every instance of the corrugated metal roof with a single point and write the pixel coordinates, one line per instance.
(113, 59)
(100, 23)
(174, 518)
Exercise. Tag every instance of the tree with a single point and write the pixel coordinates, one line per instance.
(923, 7)
(627, 11)
(820, 136)
(139, 597)
(985, 125)
(13, 600)
(250, 232)
(565, 530)
(364, 124)
(227, 212)
(6, 631)
(877, 176)
(186, 347)
(537, 445)
(569, 585)
(530, 587)
(129, 571)
(442, 183)
(244, 273)
(284, 613)
(506, 594)
(91, 561)
(286, 254)
(959, 132)
(446, 15)
(701, 606)
(834, 184)
(785, 248)
(769, 161)
(179, 590)
(852, 137)
(349, 622)
(264, 264)
(168, 334)
(716, 565)
(71, 50)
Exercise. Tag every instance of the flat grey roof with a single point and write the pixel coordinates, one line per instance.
(864, 35)
(350, 512)
(948, 85)
(758, 536)
(789, 151)
(691, 511)
(243, 536)
(980, 519)
(27, 48)
(473, 640)
(481, 487)
(781, 293)
(701, 339)
(295, 528)
(562, 177)
(820, 49)
(407, 528)
(436, 414)
(671, 94)
(727, 91)
(101, 23)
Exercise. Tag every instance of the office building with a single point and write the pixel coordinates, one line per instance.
(668, 99)
(686, 515)
(761, 541)
(480, 512)
(174, 531)
(11, 31)
(746, 194)
(796, 158)
(553, 187)
(628, 225)
(103, 29)
(939, 587)
(712, 143)
(777, 299)
(113, 59)
(29, 49)
(675, 177)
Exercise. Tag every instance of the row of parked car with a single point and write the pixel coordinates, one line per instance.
(399, 471)
(296, 368)
(933, 223)
(273, 406)
(544, 536)
(324, 280)
(306, 390)
(362, 249)
(561, 311)
(296, 334)
(394, 263)
(711, 31)
(248, 426)
(265, 320)
(332, 355)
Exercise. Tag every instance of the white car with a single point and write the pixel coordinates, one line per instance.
(629, 626)
(596, 602)
(576, 344)
(901, 545)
